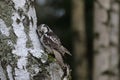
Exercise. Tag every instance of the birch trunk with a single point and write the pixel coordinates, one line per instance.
(106, 40)
(21, 54)
(78, 23)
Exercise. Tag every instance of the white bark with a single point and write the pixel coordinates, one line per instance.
(21, 54)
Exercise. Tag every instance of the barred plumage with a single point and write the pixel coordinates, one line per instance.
(51, 43)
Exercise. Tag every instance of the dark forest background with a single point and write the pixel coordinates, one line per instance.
(78, 23)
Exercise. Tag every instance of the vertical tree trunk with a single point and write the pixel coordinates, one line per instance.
(78, 23)
(106, 40)
(21, 54)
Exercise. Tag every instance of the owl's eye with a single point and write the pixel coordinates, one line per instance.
(44, 30)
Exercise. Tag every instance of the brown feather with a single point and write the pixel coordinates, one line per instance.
(63, 50)
(59, 58)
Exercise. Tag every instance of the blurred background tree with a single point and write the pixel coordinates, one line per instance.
(106, 40)
(80, 42)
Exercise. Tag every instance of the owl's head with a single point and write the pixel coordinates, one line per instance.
(42, 29)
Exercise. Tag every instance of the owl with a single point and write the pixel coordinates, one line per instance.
(51, 43)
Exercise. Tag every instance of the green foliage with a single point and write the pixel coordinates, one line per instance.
(51, 58)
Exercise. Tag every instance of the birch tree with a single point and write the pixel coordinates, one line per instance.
(78, 26)
(106, 40)
(21, 54)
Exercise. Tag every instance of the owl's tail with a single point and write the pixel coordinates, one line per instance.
(64, 50)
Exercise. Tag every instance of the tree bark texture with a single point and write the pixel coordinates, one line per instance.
(106, 40)
(21, 54)
(78, 26)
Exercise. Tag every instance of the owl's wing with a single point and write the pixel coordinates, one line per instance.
(51, 40)
(54, 42)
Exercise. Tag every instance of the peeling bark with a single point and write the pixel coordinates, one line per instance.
(21, 54)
